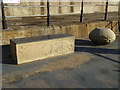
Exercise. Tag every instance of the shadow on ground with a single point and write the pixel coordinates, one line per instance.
(97, 50)
(80, 43)
(83, 42)
(6, 55)
(117, 70)
(80, 47)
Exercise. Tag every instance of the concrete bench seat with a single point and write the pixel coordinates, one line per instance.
(40, 47)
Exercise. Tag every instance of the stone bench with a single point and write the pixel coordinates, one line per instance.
(40, 47)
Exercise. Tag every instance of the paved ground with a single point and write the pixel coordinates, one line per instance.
(90, 66)
(28, 22)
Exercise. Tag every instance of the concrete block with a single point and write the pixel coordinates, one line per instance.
(40, 47)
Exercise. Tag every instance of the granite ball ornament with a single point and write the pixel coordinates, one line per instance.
(102, 36)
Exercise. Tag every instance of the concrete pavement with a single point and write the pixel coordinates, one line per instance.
(90, 66)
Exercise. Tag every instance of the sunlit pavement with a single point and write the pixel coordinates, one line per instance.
(100, 70)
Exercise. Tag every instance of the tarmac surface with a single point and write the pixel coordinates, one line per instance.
(90, 66)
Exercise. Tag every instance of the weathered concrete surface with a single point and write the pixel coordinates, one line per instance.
(30, 49)
(70, 24)
(79, 30)
(89, 67)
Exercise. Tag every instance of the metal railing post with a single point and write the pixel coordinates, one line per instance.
(48, 13)
(106, 10)
(119, 25)
(119, 16)
(4, 24)
(81, 16)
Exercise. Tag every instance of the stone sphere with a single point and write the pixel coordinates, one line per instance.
(102, 36)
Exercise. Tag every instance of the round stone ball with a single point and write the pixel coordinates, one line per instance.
(102, 36)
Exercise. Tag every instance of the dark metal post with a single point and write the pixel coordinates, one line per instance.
(119, 18)
(48, 13)
(119, 25)
(106, 10)
(4, 24)
(81, 12)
